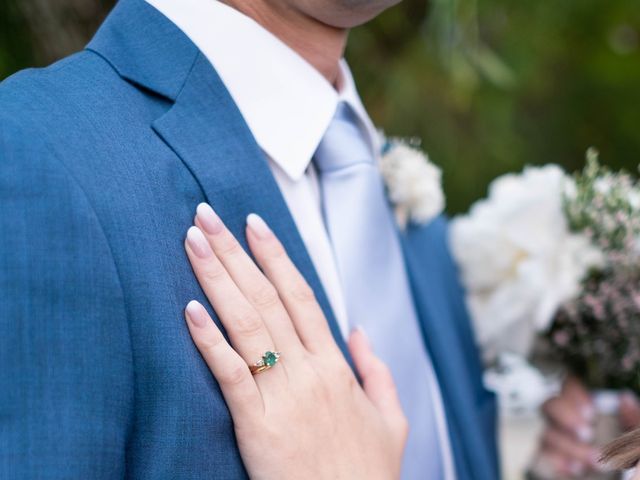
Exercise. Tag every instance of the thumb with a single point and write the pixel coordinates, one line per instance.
(377, 380)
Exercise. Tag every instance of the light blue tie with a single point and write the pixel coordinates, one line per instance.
(371, 269)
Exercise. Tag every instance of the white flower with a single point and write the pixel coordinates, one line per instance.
(603, 185)
(521, 387)
(519, 261)
(414, 184)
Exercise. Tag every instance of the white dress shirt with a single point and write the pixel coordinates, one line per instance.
(288, 106)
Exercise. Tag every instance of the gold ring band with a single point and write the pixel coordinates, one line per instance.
(268, 360)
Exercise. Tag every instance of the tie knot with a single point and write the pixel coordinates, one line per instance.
(344, 143)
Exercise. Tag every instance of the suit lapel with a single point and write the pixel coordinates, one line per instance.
(203, 127)
(424, 250)
(206, 130)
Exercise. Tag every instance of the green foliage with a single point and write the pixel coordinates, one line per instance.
(488, 85)
(605, 205)
(493, 85)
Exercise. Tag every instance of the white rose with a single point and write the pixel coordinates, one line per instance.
(519, 261)
(414, 184)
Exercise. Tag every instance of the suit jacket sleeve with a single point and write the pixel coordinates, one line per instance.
(66, 369)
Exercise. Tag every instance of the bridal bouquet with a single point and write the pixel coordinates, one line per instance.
(597, 334)
(551, 263)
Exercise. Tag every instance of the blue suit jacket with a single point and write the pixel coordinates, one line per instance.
(103, 159)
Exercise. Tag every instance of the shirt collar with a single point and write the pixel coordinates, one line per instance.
(285, 101)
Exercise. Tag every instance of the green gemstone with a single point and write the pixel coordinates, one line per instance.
(270, 359)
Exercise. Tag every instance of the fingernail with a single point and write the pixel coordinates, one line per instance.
(198, 243)
(361, 330)
(210, 221)
(195, 314)
(585, 433)
(258, 226)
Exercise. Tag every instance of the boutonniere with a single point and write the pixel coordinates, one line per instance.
(413, 182)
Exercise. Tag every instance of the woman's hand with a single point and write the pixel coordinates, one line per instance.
(307, 416)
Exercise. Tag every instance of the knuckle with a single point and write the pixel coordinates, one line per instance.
(209, 345)
(248, 323)
(383, 370)
(235, 375)
(303, 293)
(214, 273)
(229, 247)
(276, 251)
(264, 296)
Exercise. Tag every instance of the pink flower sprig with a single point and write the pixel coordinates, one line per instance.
(597, 335)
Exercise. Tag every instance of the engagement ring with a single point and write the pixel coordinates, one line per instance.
(268, 360)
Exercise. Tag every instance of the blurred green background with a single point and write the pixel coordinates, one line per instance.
(488, 86)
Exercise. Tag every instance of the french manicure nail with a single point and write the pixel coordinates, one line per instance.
(195, 313)
(258, 226)
(210, 221)
(360, 328)
(198, 243)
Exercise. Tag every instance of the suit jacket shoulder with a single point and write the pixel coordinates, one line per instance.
(66, 382)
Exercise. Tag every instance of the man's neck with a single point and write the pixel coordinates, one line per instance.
(320, 44)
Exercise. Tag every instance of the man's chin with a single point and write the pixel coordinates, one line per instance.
(353, 13)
